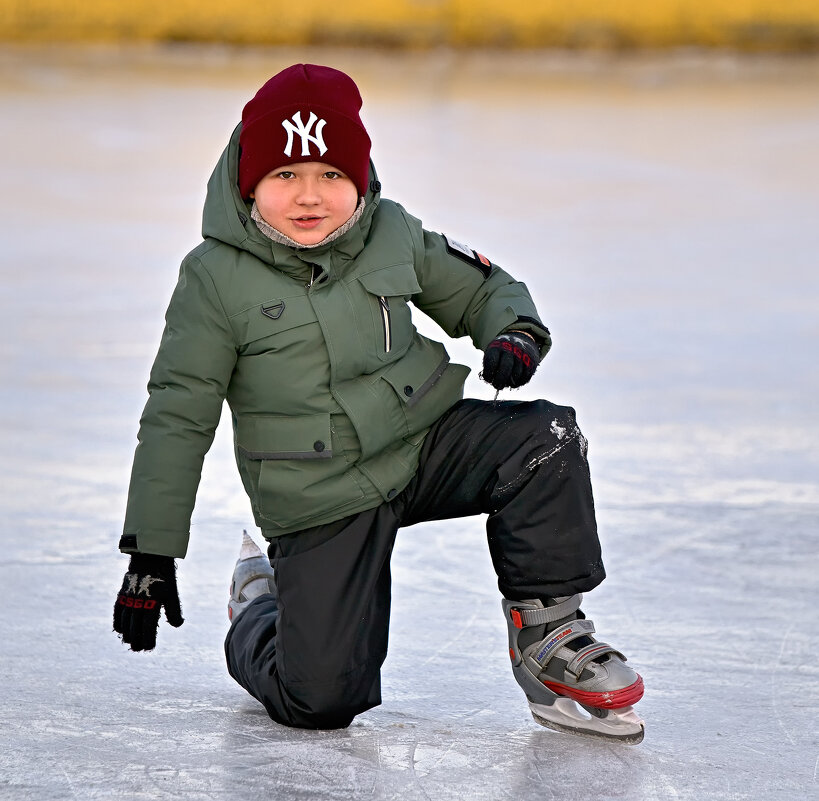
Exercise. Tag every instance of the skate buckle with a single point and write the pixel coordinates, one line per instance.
(517, 619)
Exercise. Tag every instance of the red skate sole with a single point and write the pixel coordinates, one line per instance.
(614, 699)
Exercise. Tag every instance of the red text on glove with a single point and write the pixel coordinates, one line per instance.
(136, 603)
(517, 352)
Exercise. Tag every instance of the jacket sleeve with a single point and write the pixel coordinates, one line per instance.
(469, 296)
(187, 386)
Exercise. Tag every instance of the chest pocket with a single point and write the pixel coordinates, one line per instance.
(388, 292)
(274, 324)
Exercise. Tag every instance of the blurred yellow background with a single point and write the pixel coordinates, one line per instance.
(757, 25)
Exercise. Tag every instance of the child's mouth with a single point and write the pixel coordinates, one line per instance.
(307, 221)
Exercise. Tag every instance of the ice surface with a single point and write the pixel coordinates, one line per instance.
(663, 213)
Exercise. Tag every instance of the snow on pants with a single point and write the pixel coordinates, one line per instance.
(313, 654)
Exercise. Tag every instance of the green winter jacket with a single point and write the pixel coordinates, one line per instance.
(330, 386)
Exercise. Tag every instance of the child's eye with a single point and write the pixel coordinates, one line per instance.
(333, 175)
(284, 174)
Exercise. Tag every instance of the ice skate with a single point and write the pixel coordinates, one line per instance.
(252, 577)
(583, 689)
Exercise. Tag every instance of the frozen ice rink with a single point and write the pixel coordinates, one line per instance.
(664, 215)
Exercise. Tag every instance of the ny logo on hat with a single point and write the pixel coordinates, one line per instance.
(304, 132)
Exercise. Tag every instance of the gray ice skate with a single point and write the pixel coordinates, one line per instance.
(587, 689)
(252, 577)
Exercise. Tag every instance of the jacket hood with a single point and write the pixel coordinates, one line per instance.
(226, 217)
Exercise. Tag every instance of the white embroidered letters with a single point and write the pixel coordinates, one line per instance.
(304, 132)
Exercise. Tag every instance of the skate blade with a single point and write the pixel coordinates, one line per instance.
(567, 716)
(249, 549)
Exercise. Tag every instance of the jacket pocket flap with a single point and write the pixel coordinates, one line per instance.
(411, 377)
(268, 436)
(398, 279)
(272, 317)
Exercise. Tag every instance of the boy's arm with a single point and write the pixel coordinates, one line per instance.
(467, 295)
(187, 386)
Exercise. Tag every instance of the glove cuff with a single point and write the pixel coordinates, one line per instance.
(524, 333)
(536, 329)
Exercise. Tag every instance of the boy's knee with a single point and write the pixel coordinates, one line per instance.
(325, 705)
(545, 434)
(548, 422)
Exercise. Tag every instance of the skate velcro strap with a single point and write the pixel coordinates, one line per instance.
(547, 614)
(587, 654)
(562, 635)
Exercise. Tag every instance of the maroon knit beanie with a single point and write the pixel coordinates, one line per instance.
(304, 113)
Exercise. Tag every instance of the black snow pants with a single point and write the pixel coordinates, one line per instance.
(312, 654)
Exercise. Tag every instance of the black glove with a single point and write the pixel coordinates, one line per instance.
(149, 584)
(510, 360)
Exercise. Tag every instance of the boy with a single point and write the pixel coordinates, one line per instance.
(349, 425)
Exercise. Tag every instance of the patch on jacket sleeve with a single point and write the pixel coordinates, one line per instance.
(477, 260)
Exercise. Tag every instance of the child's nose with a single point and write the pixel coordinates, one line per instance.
(308, 191)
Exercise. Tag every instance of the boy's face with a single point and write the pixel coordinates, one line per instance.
(306, 201)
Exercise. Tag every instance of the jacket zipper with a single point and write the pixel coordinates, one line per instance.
(385, 317)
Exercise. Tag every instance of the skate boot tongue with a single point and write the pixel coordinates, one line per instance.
(566, 603)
